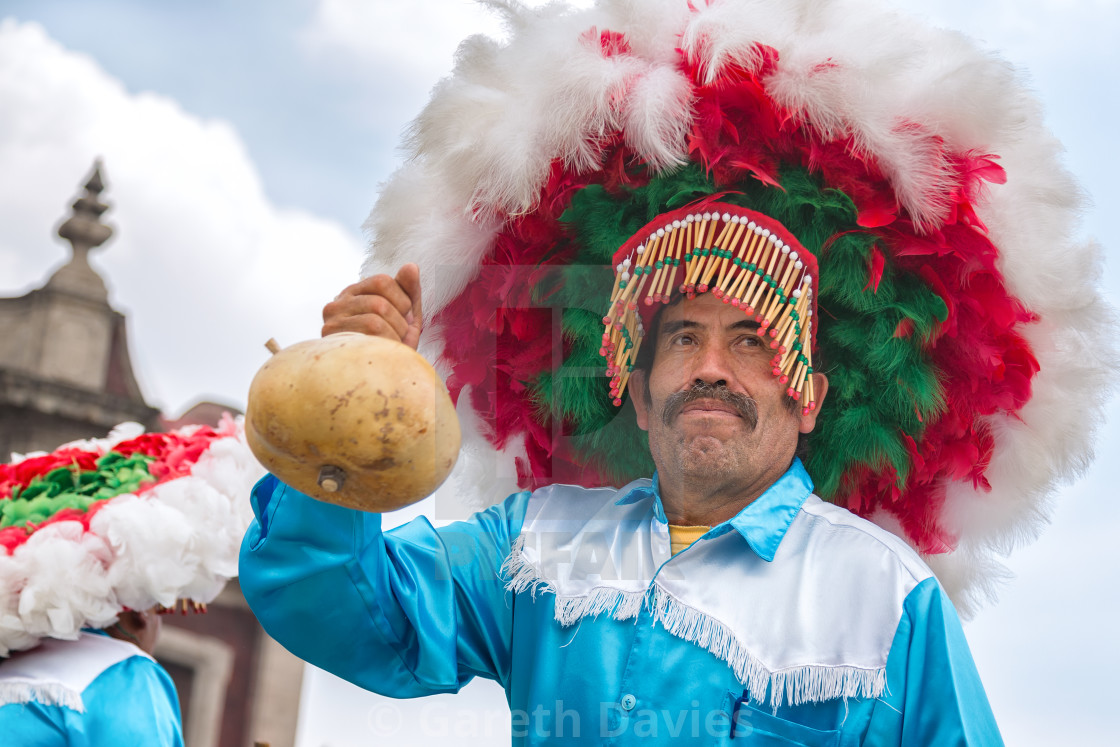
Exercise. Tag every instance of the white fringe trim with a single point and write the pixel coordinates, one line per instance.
(810, 683)
(47, 693)
(523, 576)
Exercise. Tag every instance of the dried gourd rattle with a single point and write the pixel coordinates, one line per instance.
(352, 419)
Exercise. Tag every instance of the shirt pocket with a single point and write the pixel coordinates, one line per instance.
(753, 727)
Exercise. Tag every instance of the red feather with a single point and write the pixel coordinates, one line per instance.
(875, 264)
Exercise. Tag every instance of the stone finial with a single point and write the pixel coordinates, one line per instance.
(84, 230)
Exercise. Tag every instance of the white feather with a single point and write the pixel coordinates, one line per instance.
(13, 636)
(67, 584)
(148, 539)
(657, 117)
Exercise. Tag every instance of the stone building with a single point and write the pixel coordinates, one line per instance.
(65, 371)
(65, 374)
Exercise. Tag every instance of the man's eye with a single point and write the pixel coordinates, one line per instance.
(683, 340)
(751, 341)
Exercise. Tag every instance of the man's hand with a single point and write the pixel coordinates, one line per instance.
(381, 306)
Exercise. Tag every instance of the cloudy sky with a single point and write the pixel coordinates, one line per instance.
(244, 144)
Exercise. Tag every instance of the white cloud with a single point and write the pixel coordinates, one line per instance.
(388, 35)
(415, 39)
(206, 268)
(1016, 29)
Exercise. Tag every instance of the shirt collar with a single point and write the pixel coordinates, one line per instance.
(762, 523)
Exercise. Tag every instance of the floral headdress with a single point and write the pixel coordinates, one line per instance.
(132, 521)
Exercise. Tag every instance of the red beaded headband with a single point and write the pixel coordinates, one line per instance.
(743, 257)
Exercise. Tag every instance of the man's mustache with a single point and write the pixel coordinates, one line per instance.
(742, 404)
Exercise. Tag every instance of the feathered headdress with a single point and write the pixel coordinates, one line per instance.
(957, 315)
(132, 521)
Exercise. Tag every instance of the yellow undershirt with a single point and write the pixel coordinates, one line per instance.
(681, 537)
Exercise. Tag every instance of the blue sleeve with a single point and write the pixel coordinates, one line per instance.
(409, 612)
(934, 694)
(131, 702)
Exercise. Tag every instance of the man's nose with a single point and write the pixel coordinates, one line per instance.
(713, 366)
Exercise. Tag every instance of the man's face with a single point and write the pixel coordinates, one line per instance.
(715, 411)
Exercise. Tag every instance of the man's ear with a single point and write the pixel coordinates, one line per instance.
(820, 389)
(639, 395)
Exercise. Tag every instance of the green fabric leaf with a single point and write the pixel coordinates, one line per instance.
(66, 487)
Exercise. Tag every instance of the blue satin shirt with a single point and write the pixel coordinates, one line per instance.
(419, 610)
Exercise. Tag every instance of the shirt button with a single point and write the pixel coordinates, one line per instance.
(628, 702)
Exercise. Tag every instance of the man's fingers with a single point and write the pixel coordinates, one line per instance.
(379, 305)
(385, 286)
(355, 313)
(366, 324)
(408, 278)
